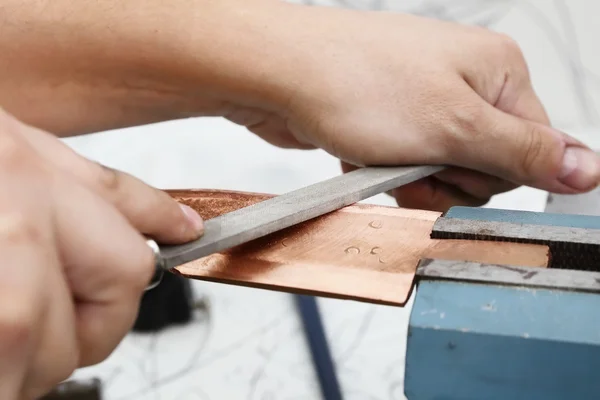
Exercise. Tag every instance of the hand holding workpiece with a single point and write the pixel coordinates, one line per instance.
(74, 264)
(381, 88)
(368, 87)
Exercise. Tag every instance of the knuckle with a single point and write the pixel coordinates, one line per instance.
(467, 125)
(17, 228)
(509, 44)
(13, 148)
(511, 50)
(16, 328)
(534, 148)
(109, 179)
(12, 151)
(469, 118)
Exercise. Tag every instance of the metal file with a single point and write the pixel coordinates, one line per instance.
(272, 215)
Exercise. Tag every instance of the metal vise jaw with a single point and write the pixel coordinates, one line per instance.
(505, 331)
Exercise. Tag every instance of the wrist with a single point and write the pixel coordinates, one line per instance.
(250, 54)
(196, 60)
(273, 53)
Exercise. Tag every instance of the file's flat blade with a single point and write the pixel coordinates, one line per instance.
(269, 216)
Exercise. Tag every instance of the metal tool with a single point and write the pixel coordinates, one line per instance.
(511, 275)
(261, 219)
(570, 247)
(158, 268)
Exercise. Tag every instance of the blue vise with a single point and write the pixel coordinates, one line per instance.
(506, 332)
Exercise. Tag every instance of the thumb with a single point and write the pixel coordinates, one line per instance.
(529, 153)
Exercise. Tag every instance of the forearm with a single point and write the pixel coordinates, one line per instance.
(74, 67)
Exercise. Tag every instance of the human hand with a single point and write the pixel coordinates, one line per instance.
(74, 264)
(368, 87)
(378, 88)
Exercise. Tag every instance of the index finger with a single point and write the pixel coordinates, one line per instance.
(151, 211)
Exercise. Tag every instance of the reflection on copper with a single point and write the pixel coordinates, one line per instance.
(361, 252)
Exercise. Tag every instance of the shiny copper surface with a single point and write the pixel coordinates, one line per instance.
(362, 252)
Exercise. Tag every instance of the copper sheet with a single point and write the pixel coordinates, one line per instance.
(361, 252)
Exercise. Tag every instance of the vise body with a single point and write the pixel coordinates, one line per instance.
(507, 332)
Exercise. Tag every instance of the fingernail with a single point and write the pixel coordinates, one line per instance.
(193, 218)
(580, 169)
